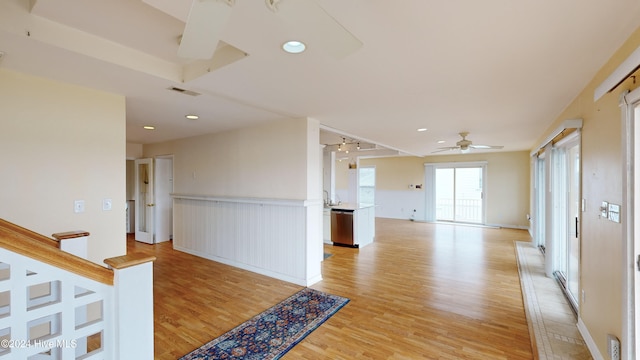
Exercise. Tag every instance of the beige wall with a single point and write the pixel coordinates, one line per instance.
(507, 180)
(61, 143)
(134, 151)
(602, 172)
(268, 161)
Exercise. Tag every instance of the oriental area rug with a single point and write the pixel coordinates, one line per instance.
(275, 331)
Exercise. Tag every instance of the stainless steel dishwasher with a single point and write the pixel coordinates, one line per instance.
(342, 227)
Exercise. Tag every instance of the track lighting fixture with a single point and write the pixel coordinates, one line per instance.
(348, 144)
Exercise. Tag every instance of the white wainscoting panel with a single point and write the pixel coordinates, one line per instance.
(398, 204)
(270, 237)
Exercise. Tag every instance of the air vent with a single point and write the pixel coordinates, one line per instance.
(183, 91)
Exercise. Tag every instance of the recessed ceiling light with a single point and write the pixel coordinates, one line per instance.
(192, 117)
(422, 129)
(441, 141)
(148, 127)
(294, 47)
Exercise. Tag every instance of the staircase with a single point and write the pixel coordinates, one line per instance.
(54, 304)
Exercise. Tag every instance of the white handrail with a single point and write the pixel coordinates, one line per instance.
(50, 313)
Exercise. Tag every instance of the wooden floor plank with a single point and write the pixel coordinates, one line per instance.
(421, 291)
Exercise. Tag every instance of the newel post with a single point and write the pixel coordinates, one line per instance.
(133, 305)
(73, 242)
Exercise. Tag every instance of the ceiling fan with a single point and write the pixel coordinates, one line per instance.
(207, 19)
(465, 145)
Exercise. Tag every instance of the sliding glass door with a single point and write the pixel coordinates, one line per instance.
(558, 208)
(539, 197)
(567, 220)
(459, 194)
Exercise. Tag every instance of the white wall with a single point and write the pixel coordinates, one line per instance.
(229, 176)
(268, 161)
(61, 143)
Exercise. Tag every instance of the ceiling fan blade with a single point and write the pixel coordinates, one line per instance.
(317, 28)
(443, 149)
(207, 19)
(486, 147)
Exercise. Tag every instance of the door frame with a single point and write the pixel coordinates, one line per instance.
(539, 181)
(563, 222)
(430, 186)
(629, 102)
(146, 236)
(163, 222)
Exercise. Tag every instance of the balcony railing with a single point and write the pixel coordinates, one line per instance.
(462, 210)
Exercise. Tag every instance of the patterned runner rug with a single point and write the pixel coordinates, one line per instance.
(272, 333)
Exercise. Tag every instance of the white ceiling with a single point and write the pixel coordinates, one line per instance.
(501, 69)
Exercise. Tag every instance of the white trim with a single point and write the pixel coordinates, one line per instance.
(430, 191)
(628, 66)
(586, 336)
(261, 201)
(567, 124)
(569, 140)
(507, 226)
(628, 102)
(461, 164)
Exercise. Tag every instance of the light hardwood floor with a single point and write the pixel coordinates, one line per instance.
(421, 291)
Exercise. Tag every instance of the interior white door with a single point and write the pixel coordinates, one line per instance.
(164, 203)
(145, 205)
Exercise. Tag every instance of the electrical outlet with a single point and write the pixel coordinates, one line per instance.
(613, 347)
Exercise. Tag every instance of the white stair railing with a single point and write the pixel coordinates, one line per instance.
(58, 306)
(53, 313)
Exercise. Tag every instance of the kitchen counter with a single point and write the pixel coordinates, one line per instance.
(350, 206)
(352, 225)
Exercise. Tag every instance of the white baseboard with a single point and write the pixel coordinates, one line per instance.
(275, 275)
(505, 226)
(593, 348)
(509, 226)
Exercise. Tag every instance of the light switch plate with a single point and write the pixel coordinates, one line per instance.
(78, 206)
(106, 204)
(614, 212)
(604, 210)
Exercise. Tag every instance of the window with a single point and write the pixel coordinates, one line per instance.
(367, 185)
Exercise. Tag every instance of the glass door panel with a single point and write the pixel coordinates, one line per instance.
(566, 216)
(468, 204)
(444, 194)
(573, 243)
(459, 194)
(540, 196)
